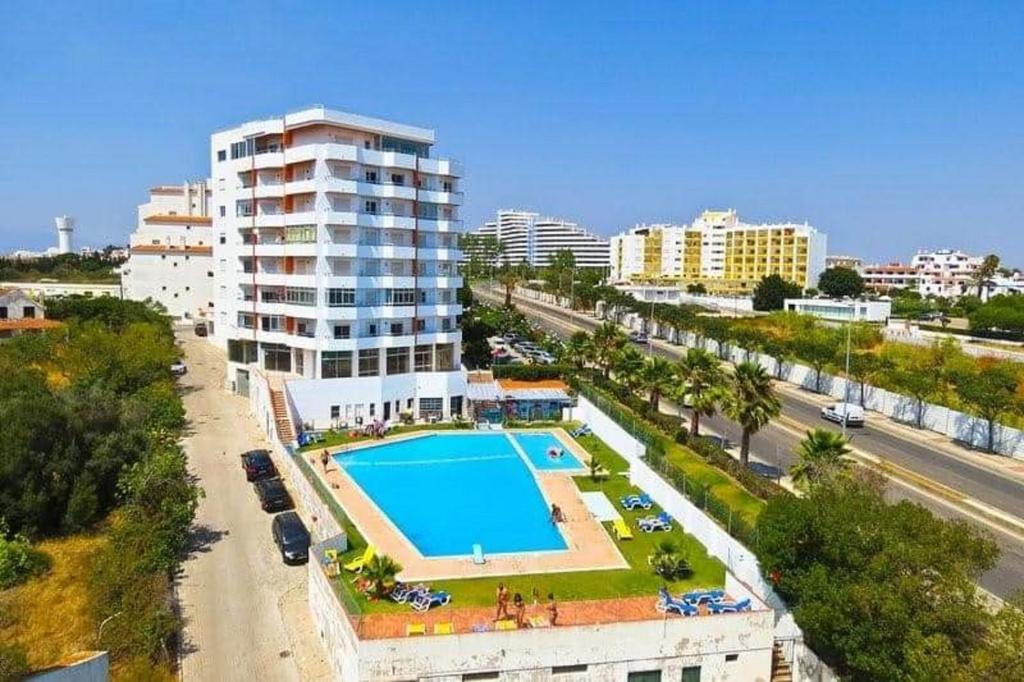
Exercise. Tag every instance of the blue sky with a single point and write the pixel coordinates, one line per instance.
(890, 126)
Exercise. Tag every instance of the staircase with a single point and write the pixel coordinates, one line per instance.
(781, 672)
(285, 432)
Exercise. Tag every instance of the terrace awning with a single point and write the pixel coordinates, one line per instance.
(483, 392)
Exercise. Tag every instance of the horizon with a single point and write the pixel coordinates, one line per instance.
(890, 129)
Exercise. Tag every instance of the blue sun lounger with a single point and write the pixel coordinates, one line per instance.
(580, 431)
(652, 523)
(669, 604)
(730, 607)
(698, 597)
(428, 600)
(633, 502)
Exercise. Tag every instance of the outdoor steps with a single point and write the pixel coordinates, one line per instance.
(781, 672)
(285, 433)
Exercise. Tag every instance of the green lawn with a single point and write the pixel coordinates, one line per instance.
(637, 580)
(720, 483)
(336, 438)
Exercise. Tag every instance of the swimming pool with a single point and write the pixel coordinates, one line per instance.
(447, 492)
(536, 447)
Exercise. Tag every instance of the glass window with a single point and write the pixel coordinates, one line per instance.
(691, 673)
(277, 357)
(397, 361)
(424, 360)
(300, 234)
(400, 297)
(644, 676)
(272, 323)
(246, 320)
(342, 331)
(396, 328)
(340, 298)
(369, 362)
(455, 405)
(431, 407)
(301, 296)
(444, 358)
(222, 155)
(336, 364)
(241, 351)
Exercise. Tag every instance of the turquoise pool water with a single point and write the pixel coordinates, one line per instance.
(536, 447)
(447, 492)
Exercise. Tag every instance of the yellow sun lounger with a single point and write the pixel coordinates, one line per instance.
(444, 628)
(506, 625)
(356, 565)
(622, 531)
(415, 629)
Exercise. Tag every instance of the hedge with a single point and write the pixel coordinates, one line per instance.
(530, 372)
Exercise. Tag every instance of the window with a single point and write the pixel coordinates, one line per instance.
(336, 364)
(455, 405)
(340, 298)
(241, 351)
(479, 676)
(272, 323)
(568, 669)
(396, 329)
(277, 357)
(729, 658)
(644, 676)
(369, 362)
(3, 312)
(397, 179)
(399, 297)
(446, 324)
(369, 206)
(300, 296)
(371, 176)
(335, 412)
(421, 325)
(447, 185)
(431, 407)
(373, 408)
(246, 320)
(222, 155)
(424, 358)
(300, 234)
(397, 361)
(28, 312)
(342, 331)
(691, 673)
(372, 329)
(223, 239)
(444, 358)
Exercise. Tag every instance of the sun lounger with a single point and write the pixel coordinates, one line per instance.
(428, 600)
(444, 628)
(405, 593)
(539, 622)
(506, 625)
(357, 564)
(478, 555)
(581, 430)
(730, 607)
(698, 597)
(415, 629)
(652, 523)
(622, 531)
(669, 604)
(632, 502)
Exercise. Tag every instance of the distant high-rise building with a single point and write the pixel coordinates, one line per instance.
(529, 237)
(171, 251)
(720, 252)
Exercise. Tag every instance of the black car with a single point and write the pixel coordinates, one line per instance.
(273, 495)
(257, 465)
(291, 537)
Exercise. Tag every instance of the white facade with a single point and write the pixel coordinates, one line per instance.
(335, 260)
(171, 252)
(840, 310)
(54, 289)
(529, 237)
(945, 272)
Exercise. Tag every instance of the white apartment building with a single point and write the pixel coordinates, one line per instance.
(720, 251)
(336, 264)
(945, 272)
(529, 237)
(171, 251)
(882, 278)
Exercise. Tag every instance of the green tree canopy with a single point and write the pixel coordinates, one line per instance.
(839, 282)
(772, 291)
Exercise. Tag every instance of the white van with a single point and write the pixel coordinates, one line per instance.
(852, 414)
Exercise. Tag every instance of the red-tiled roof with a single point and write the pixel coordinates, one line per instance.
(28, 324)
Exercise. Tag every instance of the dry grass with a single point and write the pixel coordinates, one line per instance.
(49, 616)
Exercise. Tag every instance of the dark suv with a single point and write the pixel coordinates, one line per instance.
(291, 537)
(273, 495)
(257, 465)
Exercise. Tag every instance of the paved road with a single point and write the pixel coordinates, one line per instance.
(246, 614)
(776, 445)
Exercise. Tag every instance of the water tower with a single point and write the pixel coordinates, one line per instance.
(65, 232)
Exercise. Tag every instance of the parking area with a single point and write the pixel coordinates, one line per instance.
(246, 613)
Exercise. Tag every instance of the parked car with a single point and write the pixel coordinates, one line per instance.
(178, 368)
(638, 337)
(852, 414)
(291, 537)
(273, 495)
(257, 465)
(511, 337)
(525, 346)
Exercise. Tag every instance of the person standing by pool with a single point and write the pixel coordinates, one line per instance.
(520, 607)
(552, 609)
(502, 597)
(324, 458)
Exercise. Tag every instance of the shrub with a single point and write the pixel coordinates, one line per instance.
(13, 663)
(19, 561)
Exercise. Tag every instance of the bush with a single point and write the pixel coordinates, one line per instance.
(13, 663)
(759, 485)
(19, 561)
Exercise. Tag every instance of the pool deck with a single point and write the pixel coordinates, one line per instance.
(589, 545)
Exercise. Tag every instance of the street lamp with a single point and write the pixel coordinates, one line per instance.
(846, 381)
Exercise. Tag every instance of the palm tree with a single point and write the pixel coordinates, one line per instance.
(577, 350)
(751, 403)
(668, 562)
(701, 380)
(655, 379)
(381, 571)
(822, 458)
(607, 340)
(629, 363)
